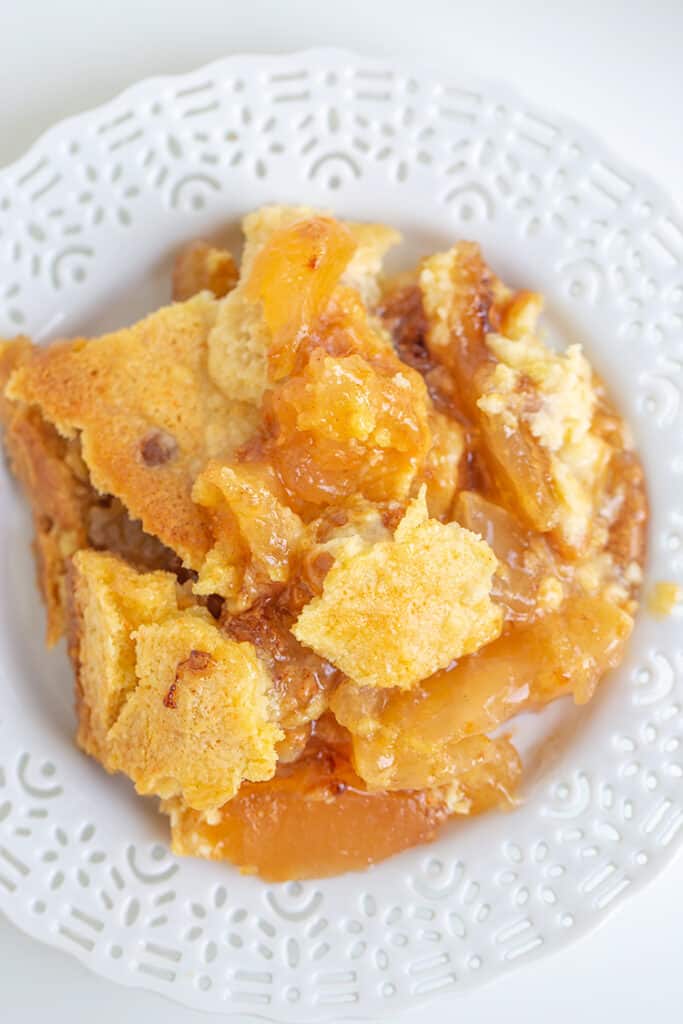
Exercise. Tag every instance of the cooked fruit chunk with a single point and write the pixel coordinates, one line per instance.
(626, 492)
(416, 739)
(294, 276)
(394, 612)
(441, 472)
(459, 301)
(521, 469)
(256, 535)
(526, 583)
(534, 408)
(240, 343)
(490, 782)
(521, 314)
(552, 397)
(312, 820)
(345, 426)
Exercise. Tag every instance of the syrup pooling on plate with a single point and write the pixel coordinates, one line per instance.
(339, 531)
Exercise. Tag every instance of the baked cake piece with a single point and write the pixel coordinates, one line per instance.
(108, 601)
(68, 514)
(146, 412)
(200, 267)
(163, 694)
(394, 612)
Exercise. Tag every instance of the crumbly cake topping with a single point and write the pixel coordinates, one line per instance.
(433, 579)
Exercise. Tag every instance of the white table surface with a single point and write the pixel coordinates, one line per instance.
(614, 66)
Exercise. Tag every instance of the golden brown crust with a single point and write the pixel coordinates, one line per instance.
(13, 353)
(67, 512)
(433, 579)
(147, 414)
(198, 721)
(161, 693)
(108, 601)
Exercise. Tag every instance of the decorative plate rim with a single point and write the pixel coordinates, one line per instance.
(401, 62)
(135, 92)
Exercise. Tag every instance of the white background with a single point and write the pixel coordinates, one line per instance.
(615, 67)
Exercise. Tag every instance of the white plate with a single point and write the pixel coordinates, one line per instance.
(89, 221)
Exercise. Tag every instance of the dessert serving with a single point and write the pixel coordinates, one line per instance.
(315, 535)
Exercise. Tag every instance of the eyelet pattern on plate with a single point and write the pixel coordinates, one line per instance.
(104, 196)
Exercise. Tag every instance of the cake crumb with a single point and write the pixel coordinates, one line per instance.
(663, 599)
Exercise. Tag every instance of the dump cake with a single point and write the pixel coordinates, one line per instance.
(315, 535)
